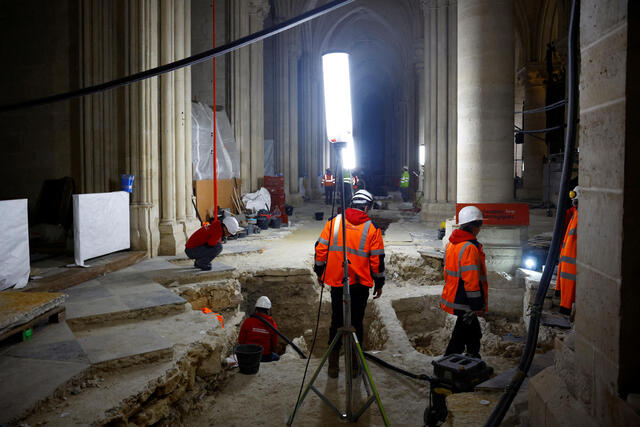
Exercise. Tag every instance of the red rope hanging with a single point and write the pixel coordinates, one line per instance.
(215, 151)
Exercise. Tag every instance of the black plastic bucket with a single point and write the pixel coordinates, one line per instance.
(319, 216)
(275, 223)
(248, 356)
(263, 222)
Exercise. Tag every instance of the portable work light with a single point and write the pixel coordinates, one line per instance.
(337, 104)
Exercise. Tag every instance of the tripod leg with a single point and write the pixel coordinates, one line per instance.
(367, 372)
(335, 341)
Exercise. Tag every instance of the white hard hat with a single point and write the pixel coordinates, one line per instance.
(362, 196)
(263, 302)
(232, 225)
(405, 167)
(469, 214)
(575, 193)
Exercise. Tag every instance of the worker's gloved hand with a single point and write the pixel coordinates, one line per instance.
(318, 269)
(377, 293)
(378, 282)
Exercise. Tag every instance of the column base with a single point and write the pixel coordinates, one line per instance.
(433, 213)
(191, 225)
(172, 238)
(294, 199)
(145, 235)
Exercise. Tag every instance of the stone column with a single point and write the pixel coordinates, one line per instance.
(171, 236)
(420, 87)
(485, 127)
(258, 11)
(441, 113)
(293, 56)
(534, 149)
(191, 221)
(485, 101)
(141, 104)
(179, 112)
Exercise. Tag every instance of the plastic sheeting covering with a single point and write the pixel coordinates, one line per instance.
(100, 224)
(202, 144)
(14, 244)
(269, 158)
(261, 199)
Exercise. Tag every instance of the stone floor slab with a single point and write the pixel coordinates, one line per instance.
(119, 342)
(64, 351)
(24, 382)
(152, 298)
(95, 307)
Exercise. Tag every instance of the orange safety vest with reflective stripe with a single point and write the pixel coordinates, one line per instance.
(566, 282)
(328, 180)
(364, 250)
(465, 279)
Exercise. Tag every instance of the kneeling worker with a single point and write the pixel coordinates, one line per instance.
(205, 244)
(254, 330)
(365, 254)
(465, 288)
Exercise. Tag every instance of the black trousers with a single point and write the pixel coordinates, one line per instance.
(328, 195)
(465, 335)
(359, 296)
(404, 191)
(204, 254)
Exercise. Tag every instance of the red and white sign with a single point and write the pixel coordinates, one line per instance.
(500, 213)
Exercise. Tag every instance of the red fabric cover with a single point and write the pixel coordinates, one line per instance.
(459, 236)
(253, 331)
(356, 217)
(210, 234)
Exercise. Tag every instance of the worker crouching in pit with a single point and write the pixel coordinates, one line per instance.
(255, 331)
(365, 254)
(206, 243)
(465, 290)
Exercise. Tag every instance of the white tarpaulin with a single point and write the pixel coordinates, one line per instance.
(261, 199)
(100, 224)
(202, 144)
(14, 244)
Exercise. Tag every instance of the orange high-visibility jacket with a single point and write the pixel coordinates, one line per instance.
(566, 282)
(365, 252)
(465, 275)
(328, 180)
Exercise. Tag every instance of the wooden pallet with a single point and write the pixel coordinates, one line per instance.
(55, 315)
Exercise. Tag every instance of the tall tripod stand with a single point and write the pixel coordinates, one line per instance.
(348, 336)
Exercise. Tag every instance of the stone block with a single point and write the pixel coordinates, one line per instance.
(598, 318)
(274, 279)
(604, 69)
(600, 232)
(598, 17)
(602, 138)
(584, 365)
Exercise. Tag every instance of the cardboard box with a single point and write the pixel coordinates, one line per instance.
(204, 194)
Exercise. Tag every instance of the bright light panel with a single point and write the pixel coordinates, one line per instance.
(530, 263)
(421, 154)
(337, 104)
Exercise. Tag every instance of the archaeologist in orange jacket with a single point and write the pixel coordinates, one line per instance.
(365, 254)
(329, 184)
(205, 244)
(255, 331)
(465, 289)
(567, 269)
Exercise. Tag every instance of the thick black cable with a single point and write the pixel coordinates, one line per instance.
(315, 334)
(384, 364)
(553, 106)
(519, 376)
(185, 62)
(545, 130)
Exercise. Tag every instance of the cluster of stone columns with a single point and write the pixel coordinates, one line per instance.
(245, 77)
(177, 217)
(440, 108)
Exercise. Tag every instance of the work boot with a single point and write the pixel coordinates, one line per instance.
(334, 363)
